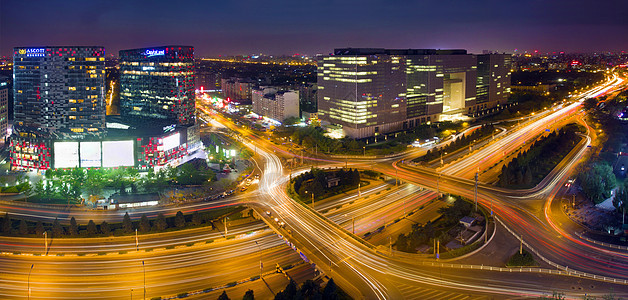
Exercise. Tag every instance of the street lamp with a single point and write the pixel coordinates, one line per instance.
(29, 281)
(312, 193)
(45, 243)
(144, 267)
(261, 266)
(364, 148)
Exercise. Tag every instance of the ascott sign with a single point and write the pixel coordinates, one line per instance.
(152, 52)
(33, 52)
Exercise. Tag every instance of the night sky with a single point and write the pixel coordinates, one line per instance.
(310, 27)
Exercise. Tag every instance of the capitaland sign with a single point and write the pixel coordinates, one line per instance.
(152, 52)
(33, 52)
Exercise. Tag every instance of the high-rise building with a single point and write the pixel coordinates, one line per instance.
(372, 91)
(238, 89)
(274, 104)
(59, 92)
(493, 80)
(157, 85)
(4, 108)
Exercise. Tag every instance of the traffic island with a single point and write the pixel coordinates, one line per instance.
(522, 259)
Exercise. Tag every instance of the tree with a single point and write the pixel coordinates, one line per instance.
(144, 224)
(161, 223)
(57, 229)
(39, 188)
(249, 295)
(196, 218)
(223, 296)
(73, 227)
(91, 228)
(329, 292)
(127, 225)
(179, 220)
(104, 228)
(39, 228)
(23, 229)
(6, 224)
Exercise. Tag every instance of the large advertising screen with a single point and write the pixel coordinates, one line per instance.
(171, 141)
(118, 154)
(90, 155)
(66, 154)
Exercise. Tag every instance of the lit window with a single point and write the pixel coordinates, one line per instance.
(72, 88)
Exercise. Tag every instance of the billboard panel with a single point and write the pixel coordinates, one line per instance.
(90, 154)
(171, 141)
(118, 154)
(66, 154)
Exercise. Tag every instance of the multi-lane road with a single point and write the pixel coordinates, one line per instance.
(361, 269)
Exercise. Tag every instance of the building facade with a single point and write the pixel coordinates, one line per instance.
(4, 109)
(493, 80)
(274, 104)
(157, 85)
(372, 91)
(59, 92)
(238, 89)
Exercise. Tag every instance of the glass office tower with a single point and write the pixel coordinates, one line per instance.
(157, 85)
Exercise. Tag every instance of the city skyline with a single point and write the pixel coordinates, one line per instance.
(287, 28)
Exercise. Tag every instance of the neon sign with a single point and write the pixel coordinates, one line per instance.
(33, 52)
(152, 52)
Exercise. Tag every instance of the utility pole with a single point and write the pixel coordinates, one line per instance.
(359, 194)
(312, 199)
(396, 177)
(437, 185)
(137, 242)
(476, 191)
(521, 245)
(225, 226)
(29, 281)
(353, 224)
(390, 244)
(144, 267)
(45, 243)
(437, 249)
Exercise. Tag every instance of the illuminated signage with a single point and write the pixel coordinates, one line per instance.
(148, 68)
(90, 154)
(33, 52)
(151, 52)
(117, 154)
(169, 128)
(171, 141)
(66, 154)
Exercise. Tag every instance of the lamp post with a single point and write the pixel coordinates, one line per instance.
(261, 266)
(45, 243)
(29, 281)
(364, 148)
(144, 267)
(311, 193)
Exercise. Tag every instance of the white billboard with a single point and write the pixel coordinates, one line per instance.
(118, 154)
(66, 154)
(171, 141)
(90, 155)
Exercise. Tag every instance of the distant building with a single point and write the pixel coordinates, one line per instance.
(237, 88)
(157, 85)
(372, 91)
(274, 104)
(493, 80)
(4, 108)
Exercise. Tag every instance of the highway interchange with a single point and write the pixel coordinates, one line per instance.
(111, 268)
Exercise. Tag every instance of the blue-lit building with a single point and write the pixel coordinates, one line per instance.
(157, 85)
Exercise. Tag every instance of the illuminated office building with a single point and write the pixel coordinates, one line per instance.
(157, 85)
(59, 92)
(370, 91)
(4, 108)
(493, 80)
